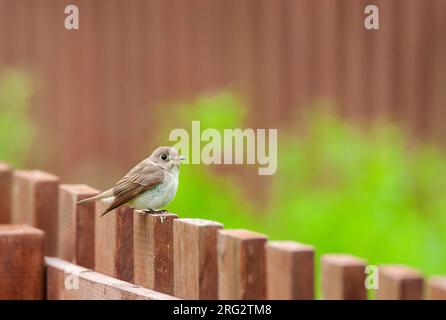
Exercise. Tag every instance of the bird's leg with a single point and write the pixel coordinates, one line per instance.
(160, 211)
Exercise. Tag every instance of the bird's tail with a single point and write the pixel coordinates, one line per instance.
(100, 196)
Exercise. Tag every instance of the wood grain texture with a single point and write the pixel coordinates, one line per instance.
(114, 242)
(343, 277)
(21, 262)
(437, 288)
(153, 251)
(67, 281)
(35, 202)
(289, 270)
(399, 282)
(5, 192)
(76, 225)
(195, 258)
(242, 265)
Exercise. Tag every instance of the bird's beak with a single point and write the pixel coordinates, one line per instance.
(181, 158)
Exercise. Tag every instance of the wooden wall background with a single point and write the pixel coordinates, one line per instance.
(98, 85)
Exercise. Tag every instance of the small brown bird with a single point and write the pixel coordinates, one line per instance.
(149, 186)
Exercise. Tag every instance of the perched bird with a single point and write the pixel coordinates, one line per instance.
(149, 186)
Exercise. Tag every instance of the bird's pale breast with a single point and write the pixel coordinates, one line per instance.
(159, 196)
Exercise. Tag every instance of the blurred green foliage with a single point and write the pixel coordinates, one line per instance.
(16, 130)
(339, 188)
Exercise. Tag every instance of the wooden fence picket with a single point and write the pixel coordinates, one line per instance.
(399, 282)
(195, 258)
(35, 202)
(5, 192)
(437, 288)
(289, 270)
(242, 265)
(153, 251)
(76, 225)
(343, 277)
(114, 242)
(21, 273)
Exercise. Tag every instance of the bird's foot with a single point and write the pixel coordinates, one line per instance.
(151, 211)
(147, 212)
(160, 211)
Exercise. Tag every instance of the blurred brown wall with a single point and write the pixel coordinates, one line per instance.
(97, 83)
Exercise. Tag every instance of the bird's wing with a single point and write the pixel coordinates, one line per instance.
(142, 177)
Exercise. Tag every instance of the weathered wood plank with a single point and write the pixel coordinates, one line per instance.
(195, 258)
(289, 270)
(35, 202)
(76, 225)
(437, 288)
(21, 262)
(343, 277)
(5, 192)
(67, 281)
(114, 242)
(399, 282)
(153, 251)
(242, 265)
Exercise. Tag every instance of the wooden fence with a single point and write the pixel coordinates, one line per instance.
(52, 249)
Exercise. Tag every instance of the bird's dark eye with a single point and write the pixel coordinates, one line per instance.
(164, 157)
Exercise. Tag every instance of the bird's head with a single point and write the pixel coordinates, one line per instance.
(166, 157)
